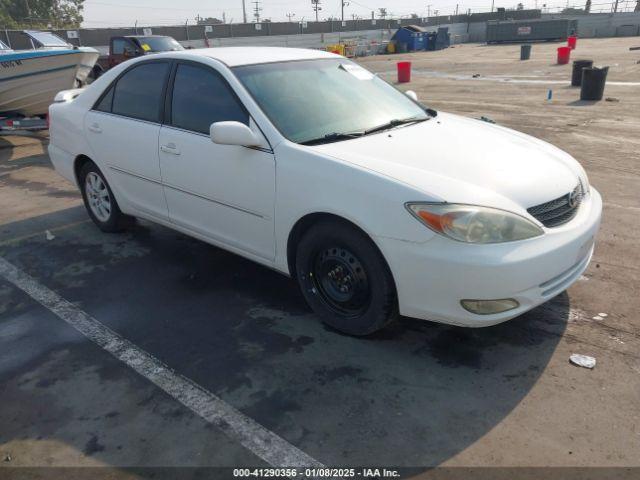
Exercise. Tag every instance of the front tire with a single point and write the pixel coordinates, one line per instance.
(99, 201)
(345, 279)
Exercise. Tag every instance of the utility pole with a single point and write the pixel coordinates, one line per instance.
(492, 3)
(256, 10)
(290, 16)
(428, 10)
(244, 12)
(316, 7)
(456, 9)
(615, 7)
(343, 4)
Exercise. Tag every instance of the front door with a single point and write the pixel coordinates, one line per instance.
(224, 192)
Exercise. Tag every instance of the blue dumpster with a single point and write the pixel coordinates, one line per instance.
(413, 36)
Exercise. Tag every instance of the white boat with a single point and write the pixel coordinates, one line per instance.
(30, 79)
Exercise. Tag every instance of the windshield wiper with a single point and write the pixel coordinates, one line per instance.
(395, 123)
(332, 137)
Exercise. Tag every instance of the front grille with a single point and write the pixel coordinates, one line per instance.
(559, 211)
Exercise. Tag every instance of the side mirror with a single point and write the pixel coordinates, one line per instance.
(412, 95)
(233, 133)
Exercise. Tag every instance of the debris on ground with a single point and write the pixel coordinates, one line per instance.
(487, 119)
(572, 124)
(582, 360)
(634, 48)
(600, 316)
(7, 457)
(603, 315)
(49, 235)
(475, 75)
(612, 99)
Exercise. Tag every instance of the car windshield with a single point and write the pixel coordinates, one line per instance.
(334, 99)
(159, 44)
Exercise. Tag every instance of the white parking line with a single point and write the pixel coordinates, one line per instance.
(262, 442)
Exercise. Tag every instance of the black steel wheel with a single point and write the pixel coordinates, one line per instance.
(345, 279)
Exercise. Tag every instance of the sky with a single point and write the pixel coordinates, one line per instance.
(105, 13)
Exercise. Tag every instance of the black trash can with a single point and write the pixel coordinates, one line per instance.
(576, 74)
(593, 80)
(525, 52)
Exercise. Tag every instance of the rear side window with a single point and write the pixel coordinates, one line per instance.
(202, 97)
(118, 46)
(138, 93)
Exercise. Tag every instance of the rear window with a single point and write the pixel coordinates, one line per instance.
(138, 93)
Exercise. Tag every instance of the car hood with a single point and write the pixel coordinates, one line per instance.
(460, 160)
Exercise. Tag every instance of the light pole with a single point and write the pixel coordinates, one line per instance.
(244, 12)
(290, 16)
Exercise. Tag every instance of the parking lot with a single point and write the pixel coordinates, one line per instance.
(272, 382)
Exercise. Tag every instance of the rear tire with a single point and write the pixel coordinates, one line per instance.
(99, 200)
(345, 279)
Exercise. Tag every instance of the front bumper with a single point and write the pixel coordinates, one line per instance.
(432, 277)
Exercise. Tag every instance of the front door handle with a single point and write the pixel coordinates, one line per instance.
(170, 148)
(95, 128)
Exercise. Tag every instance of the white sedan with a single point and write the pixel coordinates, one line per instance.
(309, 164)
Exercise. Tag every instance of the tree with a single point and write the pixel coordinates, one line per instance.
(208, 21)
(520, 7)
(41, 13)
(587, 6)
(382, 13)
(637, 9)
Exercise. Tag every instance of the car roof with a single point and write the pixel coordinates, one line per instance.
(236, 56)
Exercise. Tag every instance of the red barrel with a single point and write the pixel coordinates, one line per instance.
(404, 72)
(564, 53)
(572, 40)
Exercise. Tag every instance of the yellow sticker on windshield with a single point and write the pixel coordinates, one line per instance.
(145, 47)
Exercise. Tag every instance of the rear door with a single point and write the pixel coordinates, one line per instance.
(123, 129)
(224, 192)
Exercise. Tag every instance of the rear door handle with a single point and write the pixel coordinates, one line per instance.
(170, 148)
(95, 128)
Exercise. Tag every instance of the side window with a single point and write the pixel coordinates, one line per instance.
(118, 46)
(138, 93)
(105, 104)
(202, 97)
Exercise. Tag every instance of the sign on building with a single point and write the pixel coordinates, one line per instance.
(147, 31)
(524, 30)
(72, 34)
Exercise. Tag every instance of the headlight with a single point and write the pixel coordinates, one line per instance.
(473, 224)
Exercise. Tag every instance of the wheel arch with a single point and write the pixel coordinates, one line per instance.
(79, 162)
(307, 221)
